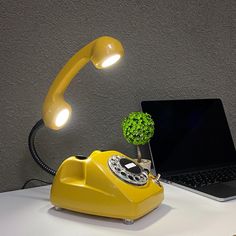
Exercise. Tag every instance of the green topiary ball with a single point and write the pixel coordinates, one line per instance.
(138, 128)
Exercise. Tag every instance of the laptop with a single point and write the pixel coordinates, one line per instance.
(192, 147)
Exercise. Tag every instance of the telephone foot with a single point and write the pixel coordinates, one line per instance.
(128, 221)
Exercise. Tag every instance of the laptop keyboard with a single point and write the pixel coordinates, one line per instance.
(204, 178)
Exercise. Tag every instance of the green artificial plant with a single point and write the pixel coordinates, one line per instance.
(138, 128)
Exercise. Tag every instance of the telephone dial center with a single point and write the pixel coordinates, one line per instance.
(127, 170)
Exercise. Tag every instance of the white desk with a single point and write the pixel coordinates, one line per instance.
(29, 212)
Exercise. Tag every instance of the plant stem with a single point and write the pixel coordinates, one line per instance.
(139, 154)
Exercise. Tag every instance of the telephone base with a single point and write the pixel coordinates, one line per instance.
(91, 186)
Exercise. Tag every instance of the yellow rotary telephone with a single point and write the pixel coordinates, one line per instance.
(105, 183)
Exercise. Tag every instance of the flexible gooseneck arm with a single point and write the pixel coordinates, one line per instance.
(34, 154)
(33, 151)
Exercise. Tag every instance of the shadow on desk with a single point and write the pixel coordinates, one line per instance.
(140, 224)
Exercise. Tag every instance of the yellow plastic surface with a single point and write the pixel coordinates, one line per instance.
(89, 186)
(96, 51)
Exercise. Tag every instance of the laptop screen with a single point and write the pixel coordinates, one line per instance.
(189, 135)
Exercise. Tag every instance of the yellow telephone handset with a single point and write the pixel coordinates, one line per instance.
(107, 184)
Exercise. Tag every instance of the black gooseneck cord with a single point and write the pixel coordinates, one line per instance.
(31, 144)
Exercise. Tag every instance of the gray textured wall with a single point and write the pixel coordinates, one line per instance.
(174, 49)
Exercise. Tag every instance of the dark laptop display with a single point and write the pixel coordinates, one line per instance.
(190, 135)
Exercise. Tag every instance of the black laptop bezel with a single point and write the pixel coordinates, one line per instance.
(182, 171)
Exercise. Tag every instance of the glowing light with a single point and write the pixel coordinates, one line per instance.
(62, 117)
(111, 60)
